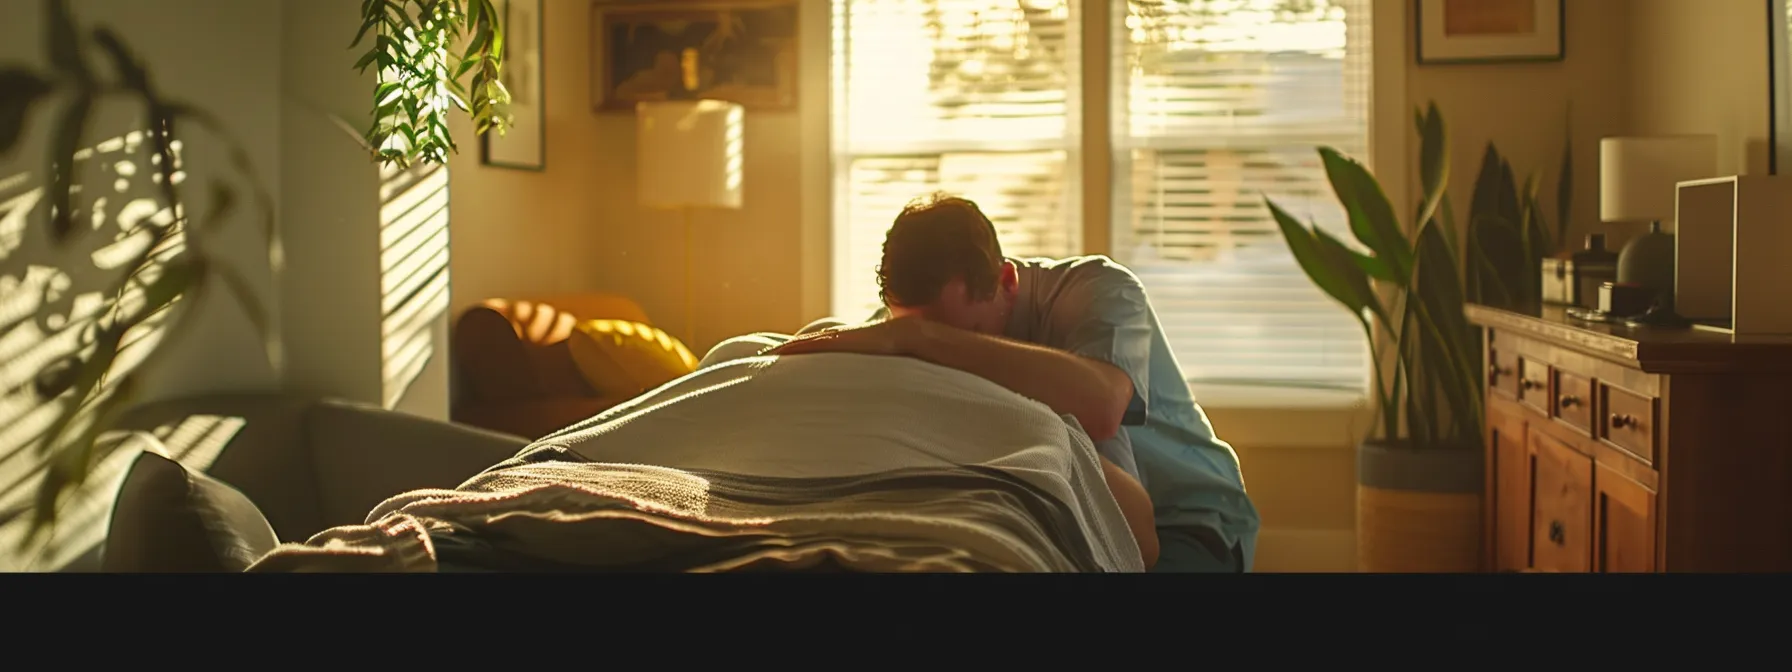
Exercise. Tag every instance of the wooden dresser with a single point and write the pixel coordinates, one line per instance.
(1618, 450)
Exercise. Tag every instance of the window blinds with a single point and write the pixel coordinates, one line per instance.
(1215, 103)
(1219, 103)
(973, 97)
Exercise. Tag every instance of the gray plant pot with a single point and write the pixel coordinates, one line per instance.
(1398, 465)
(1418, 509)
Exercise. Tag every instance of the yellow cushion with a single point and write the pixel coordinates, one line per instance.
(628, 358)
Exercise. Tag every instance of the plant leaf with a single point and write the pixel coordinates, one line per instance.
(1371, 215)
(1565, 184)
(1338, 278)
(1434, 161)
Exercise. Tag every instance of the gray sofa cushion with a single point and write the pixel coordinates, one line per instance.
(171, 519)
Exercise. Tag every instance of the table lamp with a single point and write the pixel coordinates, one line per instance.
(688, 157)
(1637, 183)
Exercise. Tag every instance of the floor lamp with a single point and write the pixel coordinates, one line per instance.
(689, 157)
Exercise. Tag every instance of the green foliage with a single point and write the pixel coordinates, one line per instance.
(422, 75)
(88, 391)
(1509, 235)
(1407, 288)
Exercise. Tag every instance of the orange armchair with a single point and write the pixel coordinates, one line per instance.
(516, 373)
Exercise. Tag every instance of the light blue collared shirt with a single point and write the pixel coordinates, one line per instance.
(1096, 308)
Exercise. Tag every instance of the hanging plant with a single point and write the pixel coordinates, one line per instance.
(424, 76)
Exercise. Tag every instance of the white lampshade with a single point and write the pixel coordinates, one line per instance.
(690, 153)
(1637, 176)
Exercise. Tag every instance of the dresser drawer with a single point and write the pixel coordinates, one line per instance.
(1533, 385)
(1630, 421)
(1502, 372)
(1574, 401)
(1561, 506)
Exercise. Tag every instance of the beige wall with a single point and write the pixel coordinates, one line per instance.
(1702, 68)
(577, 227)
(1524, 108)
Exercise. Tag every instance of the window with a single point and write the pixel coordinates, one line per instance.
(1215, 103)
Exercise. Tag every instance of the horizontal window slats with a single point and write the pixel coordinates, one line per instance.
(1219, 109)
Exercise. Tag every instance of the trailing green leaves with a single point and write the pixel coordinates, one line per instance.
(422, 76)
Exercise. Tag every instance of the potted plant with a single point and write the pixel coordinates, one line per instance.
(1419, 471)
(1509, 235)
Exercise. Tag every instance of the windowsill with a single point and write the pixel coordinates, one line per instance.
(1254, 419)
(1253, 397)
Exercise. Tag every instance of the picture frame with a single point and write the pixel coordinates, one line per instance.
(1490, 31)
(525, 145)
(740, 51)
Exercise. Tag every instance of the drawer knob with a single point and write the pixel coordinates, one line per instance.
(1620, 421)
(1568, 401)
(1494, 372)
(1558, 534)
(1530, 384)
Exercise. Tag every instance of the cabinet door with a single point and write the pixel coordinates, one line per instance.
(1510, 488)
(1562, 502)
(1624, 512)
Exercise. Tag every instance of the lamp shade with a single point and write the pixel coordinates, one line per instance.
(689, 153)
(1637, 175)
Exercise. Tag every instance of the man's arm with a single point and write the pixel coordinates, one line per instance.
(1095, 392)
(1135, 505)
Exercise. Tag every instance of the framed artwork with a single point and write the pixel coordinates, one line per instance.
(741, 51)
(1490, 31)
(524, 147)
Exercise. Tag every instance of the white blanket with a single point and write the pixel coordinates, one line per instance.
(832, 415)
(878, 463)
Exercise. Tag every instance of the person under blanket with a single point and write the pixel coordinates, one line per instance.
(1077, 334)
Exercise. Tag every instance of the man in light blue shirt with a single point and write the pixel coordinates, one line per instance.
(1078, 335)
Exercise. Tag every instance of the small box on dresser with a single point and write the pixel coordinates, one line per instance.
(1731, 242)
(1618, 450)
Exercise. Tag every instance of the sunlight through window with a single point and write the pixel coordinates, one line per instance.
(1215, 104)
(413, 272)
(1222, 103)
(965, 96)
(48, 313)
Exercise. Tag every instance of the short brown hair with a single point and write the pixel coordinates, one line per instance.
(938, 238)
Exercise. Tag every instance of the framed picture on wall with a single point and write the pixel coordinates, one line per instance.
(524, 147)
(1490, 31)
(741, 51)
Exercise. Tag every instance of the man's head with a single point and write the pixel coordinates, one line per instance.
(942, 262)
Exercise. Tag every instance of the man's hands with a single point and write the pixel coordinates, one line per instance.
(893, 337)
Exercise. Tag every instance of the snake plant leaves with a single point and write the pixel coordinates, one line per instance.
(1565, 184)
(1371, 215)
(1440, 312)
(1317, 255)
(1434, 161)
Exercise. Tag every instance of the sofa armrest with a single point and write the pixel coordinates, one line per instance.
(363, 455)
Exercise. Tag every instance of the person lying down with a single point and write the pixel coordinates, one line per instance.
(837, 461)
